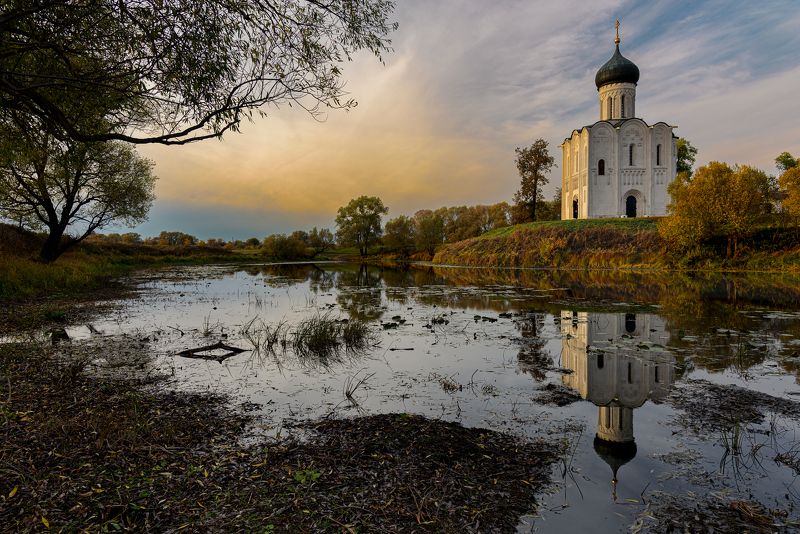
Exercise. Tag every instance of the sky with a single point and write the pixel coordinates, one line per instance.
(468, 81)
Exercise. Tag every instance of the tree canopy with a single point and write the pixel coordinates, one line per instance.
(70, 188)
(687, 154)
(533, 164)
(717, 201)
(786, 161)
(399, 235)
(177, 71)
(789, 183)
(359, 223)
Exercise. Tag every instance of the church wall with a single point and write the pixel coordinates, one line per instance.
(602, 195)
(574, 175)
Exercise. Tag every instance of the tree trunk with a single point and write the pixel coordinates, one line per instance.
(51, 249)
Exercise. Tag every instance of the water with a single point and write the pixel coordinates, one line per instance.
(480, 346)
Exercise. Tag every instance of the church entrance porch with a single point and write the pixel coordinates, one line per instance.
(630, 206)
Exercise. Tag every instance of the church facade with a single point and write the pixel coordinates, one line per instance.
(620, 166)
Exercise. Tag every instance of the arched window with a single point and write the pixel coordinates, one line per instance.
(575, 209)
(601, 167)
(610, 107)
(658, 154)
(622, 107)
(630, 155)
(601, 361)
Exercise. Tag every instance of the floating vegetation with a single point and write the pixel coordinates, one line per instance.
(449, 385)
(716, 513)
(721, 407)
(557, 395)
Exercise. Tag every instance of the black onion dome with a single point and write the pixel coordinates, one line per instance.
(618, 69)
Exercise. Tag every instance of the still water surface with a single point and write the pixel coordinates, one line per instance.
(502, 350)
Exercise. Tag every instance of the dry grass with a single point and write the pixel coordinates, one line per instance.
(615, 243)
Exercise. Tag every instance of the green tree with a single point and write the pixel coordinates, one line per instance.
(533, 164)
(430, 230)
(786, 161)
(399, 235)
(718, 201)
(687, 154)
(550, 210)
(282, 247)
(178, 71)
(359, 223)
(320, 240)
(69, 188)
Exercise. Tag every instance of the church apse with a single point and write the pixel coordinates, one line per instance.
(618, 363)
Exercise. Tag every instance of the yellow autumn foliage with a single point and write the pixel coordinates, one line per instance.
(789, 182)
(717, 201)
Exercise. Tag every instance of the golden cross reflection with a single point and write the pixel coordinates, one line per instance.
(618, 362)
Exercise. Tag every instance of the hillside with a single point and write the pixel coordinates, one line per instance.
(615, 243)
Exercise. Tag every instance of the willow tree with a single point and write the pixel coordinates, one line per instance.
(69, 188)
(176, 71)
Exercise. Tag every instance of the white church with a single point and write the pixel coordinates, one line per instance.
(619, 166)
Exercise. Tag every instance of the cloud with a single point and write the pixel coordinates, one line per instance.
(471, 80)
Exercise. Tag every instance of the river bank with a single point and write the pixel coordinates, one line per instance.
(617, 244)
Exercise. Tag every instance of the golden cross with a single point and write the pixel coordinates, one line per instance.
(617, 26)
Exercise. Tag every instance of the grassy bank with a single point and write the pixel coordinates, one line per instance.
(616, 243)
(88, 266)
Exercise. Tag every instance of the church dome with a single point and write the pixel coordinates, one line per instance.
(618, 69)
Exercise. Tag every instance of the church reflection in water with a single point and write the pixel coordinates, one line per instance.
(618, 363)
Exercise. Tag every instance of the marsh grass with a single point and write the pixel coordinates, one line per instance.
(319, 340)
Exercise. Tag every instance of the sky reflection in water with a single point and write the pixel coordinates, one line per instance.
(481, 347)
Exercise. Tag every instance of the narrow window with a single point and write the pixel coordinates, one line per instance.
(630, 373)
(601, 167)
(601, 361)
(656, 374)
(630, 155)
(630, 323)
(622, 107)
(610, 107)
(658, 154)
